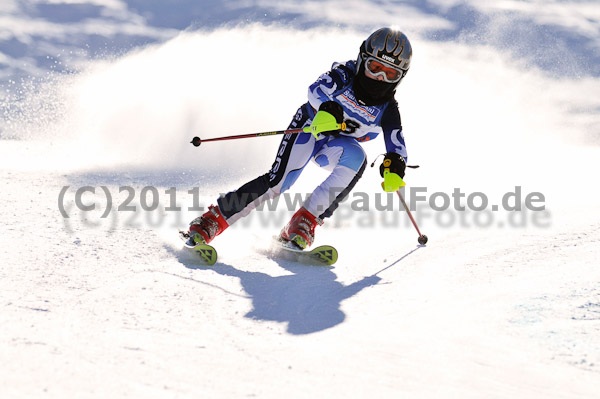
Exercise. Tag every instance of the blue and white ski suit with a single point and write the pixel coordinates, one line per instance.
(341, 154)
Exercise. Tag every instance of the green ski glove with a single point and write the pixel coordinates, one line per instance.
(392, 170)
(391, 181)
(327, 121)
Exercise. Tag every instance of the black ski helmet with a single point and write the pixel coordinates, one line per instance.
(391, 47)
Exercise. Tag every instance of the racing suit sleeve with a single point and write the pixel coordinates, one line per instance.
(327, 84)
(391, 125)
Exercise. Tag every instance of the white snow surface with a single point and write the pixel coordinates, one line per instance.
(502, 304)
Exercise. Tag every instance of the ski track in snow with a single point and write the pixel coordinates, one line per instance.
(113, 306)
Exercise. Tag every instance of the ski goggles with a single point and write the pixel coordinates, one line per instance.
(378, 68)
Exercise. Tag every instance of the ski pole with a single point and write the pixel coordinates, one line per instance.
(422, 237)
(196, 141)
(323, 122)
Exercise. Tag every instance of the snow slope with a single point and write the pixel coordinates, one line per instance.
(107, 303)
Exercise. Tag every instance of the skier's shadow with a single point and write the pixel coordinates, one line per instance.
(308, 300)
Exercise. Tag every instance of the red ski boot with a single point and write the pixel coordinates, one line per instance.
(301, 229)
(206, 227)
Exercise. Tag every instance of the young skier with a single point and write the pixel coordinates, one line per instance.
(355, 102)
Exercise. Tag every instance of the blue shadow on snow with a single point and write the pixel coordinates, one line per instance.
(308, 300)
